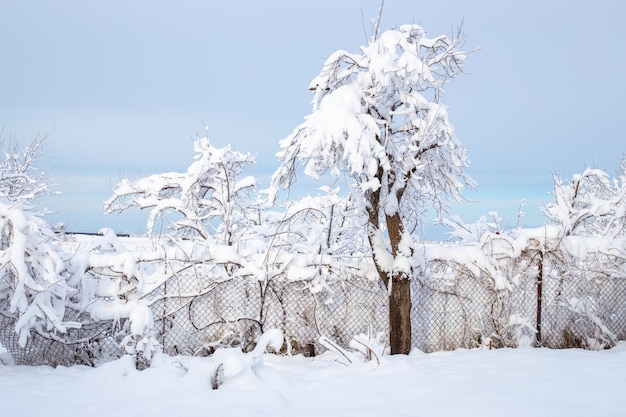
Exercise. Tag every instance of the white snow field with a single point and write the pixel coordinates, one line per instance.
(507, 382)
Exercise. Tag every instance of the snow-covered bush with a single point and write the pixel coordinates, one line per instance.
(557, 285)
(33, 273)
(215, 217)
(32, 268)
(590, 212)
(111, 282)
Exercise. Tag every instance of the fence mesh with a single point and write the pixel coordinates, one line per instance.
(195, 313)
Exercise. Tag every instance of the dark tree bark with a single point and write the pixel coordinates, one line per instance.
(399, 295)
(400, 316)
(399, 286)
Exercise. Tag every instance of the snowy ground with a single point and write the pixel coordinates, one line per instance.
(506, 382)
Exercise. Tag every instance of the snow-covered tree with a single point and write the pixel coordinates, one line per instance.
(32, 268)
(377, 118)
(210, 197)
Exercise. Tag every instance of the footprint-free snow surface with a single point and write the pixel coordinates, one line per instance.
(506, 382)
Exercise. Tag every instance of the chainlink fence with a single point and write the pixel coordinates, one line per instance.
(196, 313)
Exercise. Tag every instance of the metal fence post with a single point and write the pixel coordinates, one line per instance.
(539, 295)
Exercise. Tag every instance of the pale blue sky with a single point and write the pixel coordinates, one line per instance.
(126, 86)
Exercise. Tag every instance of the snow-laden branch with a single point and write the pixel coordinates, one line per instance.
(591, 204)
(209, 197)
(376, 117)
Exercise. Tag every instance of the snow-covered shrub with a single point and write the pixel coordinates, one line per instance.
(139, 340)
(590, 212)
(111, 282)
(33, 273)
(49, 291)
(32, 268)
(493, 276)
(558, 285)
(216, 219)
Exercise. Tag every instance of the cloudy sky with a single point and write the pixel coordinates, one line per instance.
(126, 87)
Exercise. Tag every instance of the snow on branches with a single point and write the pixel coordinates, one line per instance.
(376, 116)
(32, 268)
(20, 181)
(591, 204)
(209, 197)
(33, 273)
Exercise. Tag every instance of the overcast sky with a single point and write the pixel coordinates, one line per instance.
(127, 85)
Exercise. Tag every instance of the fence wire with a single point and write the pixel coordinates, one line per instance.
(195, 314)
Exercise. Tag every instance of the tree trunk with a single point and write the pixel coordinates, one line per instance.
(400, 295)
(400, 316)
(400, 291)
